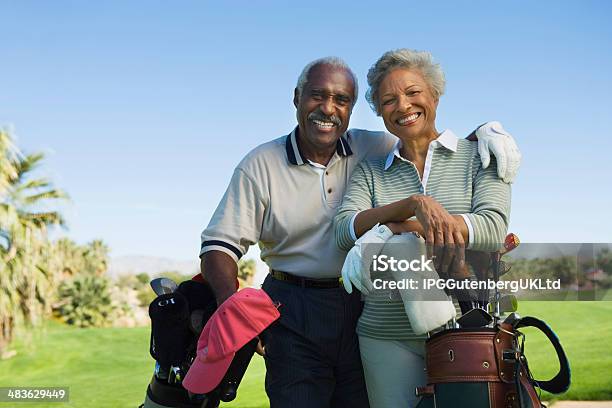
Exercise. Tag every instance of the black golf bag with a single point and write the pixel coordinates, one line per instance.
(177, 319)
(486, 367)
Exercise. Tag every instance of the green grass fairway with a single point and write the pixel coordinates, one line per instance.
(585, 332)
(103, 368)
(111, 367)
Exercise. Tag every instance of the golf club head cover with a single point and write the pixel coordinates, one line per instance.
(475, 318)
(199, 296)
(170, 333)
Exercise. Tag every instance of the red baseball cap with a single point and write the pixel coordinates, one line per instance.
(238, 320)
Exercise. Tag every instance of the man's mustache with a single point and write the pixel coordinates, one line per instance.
(324, 118)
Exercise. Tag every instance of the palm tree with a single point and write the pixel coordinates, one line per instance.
(96, 257)
(8, 298)
(24, 219)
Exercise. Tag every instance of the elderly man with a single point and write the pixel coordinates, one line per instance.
(284, 195)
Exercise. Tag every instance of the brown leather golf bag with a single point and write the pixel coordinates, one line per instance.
(487, 368)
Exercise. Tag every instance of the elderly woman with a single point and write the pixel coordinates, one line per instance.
(432, 183)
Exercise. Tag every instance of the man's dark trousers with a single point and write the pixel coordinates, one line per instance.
(312, 351)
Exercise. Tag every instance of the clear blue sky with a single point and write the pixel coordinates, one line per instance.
(145, 107)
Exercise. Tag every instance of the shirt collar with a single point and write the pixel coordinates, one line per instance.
(447, 139)
(296, 157)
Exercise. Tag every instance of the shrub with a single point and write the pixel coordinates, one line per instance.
(143, 278)
(85, 302)
(145, 296)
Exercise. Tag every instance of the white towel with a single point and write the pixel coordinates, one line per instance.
(426, 309)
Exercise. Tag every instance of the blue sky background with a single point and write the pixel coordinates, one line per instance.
(145, 107)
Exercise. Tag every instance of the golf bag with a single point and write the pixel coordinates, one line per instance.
(487, 368)
(177, 319)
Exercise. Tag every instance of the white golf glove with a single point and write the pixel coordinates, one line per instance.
(356, 268)
(493, 139)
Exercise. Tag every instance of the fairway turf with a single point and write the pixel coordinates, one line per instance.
(585, 332)
(107, 368)
(111, 367)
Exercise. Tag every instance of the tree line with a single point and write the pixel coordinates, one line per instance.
(32, 267)
(40, 277)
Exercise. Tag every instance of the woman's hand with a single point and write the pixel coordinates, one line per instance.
(443, 235)
(405, 226)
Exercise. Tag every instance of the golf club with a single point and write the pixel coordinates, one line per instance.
(175, 375)
(507, 303)
(512, 319)
(163, 285)
(196, 321)
(475, 318)
(510, 243)
(160, 372)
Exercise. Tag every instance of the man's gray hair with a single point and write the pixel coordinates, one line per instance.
(408, 59)
(334, 62)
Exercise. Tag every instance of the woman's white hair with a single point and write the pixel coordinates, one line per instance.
(334, 62)
(407, 59)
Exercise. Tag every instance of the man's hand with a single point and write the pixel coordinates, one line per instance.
(260, 349)
(494, 139)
